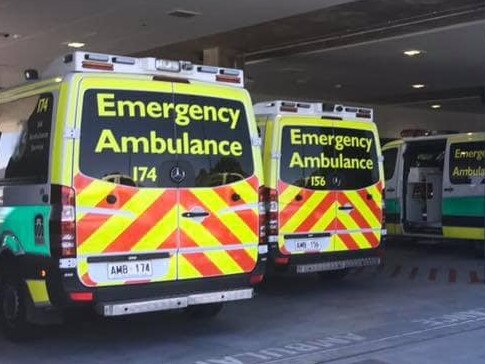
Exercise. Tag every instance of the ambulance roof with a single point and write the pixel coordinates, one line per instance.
(108, 63)
(319, 109)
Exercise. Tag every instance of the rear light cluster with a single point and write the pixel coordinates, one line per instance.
(270, 206)
(262, 215)
(63, 222)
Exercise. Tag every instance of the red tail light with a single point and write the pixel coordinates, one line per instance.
(262, 215)
(63, 221)
(81, 296)
(273, 210)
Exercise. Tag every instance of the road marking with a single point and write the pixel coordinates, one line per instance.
(432, 274)
(474, 277)
(413, 273)
(452, 276)
(296, 349)
(396, 272)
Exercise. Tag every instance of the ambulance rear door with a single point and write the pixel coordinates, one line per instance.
(306, 199)
(464, 187)
(220, 173)
(358, 182)
(126, 204)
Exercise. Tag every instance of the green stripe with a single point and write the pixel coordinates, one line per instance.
(392, 206)
(19, 221)
(464, 206)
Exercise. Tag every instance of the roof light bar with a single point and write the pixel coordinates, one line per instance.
(167, 65)
(124, 60)
(207, 69)
(229, 72)
(96, 57)
(315, 109)
(98, 66)
(79, 61)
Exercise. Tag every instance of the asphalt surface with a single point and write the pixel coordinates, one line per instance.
(426, 304)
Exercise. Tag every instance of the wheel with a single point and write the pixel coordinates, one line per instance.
(334, 274)
(13, 308)
(204, 311)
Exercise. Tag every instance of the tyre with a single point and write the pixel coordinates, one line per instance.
(334, 274)
(13, 308)
(204, 311)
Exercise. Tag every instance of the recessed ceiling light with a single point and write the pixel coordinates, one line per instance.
(418, 85)
(75, 44)
(412, 52)
(182, 13)
(436, 106)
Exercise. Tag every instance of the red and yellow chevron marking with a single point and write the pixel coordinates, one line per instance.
(314, 212)
(146, 220)
(227, 236)
(366, 216)
(141, 220)
(317, 211)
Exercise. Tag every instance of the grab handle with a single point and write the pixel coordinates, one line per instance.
(191, 215)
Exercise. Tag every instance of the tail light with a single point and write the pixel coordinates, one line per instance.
(272, 225)
(63, 222)
(383, 212)
(262, 215)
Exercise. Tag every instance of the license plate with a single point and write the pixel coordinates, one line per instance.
(308, 245)
(122, 270)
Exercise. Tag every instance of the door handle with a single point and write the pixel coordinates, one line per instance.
(448, 189)
(390, 189)
(346, 208)
(191, 214)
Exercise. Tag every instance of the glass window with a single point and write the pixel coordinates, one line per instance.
(141, 136)
(25, 132)
(323, 158)
(390, 158)
(467, 162)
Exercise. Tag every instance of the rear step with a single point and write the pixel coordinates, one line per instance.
(134, 307)
(341, 264)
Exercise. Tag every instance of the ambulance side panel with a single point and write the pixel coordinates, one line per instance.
(27, 126)
(463, 206)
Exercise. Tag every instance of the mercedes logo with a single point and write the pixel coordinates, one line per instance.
(177, 174)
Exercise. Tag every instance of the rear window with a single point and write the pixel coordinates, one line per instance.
(390, 158)
(138, 137)
(25, 133)
(323, 158)
(467, 162)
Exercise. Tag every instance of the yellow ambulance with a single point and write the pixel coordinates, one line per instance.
(129, 185)
(324, 181)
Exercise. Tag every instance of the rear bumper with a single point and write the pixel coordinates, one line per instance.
(310, 263)
(170, 303)
(149, 297)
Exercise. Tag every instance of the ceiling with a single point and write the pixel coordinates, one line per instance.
(345, 50)
(452, 68)
(39, 30)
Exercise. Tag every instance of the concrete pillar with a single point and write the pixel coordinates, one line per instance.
(217, 56)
